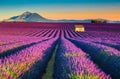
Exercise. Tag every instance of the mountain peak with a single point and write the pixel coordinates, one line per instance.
(28, 17)
(27, 12)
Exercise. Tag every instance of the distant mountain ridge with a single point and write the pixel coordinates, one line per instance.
(34, 17)
(27, 17)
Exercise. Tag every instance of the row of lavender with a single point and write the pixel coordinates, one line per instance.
(28, 32)
(91, 34)
(111, 40)
(72, 63)
(103, 51)
(29, 63)
(107, 58)
(11, 44)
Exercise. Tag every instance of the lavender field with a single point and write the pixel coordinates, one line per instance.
(57, 51)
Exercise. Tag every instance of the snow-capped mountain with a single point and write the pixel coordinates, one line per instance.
(28, 17)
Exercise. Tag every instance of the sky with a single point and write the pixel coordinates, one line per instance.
(62, 9)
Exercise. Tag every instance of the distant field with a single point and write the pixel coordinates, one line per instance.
(57, 51)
